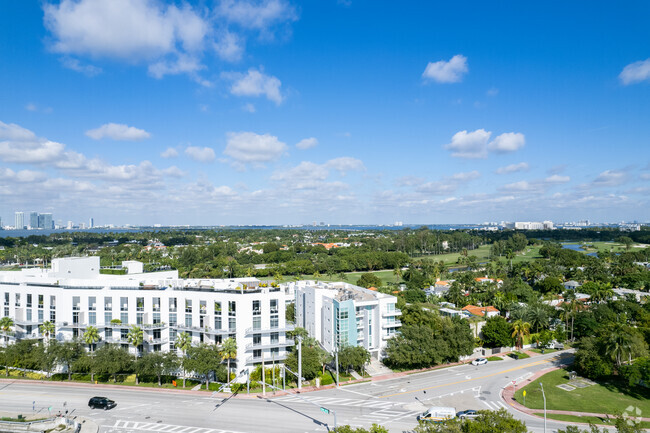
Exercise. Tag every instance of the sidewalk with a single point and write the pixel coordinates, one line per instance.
(508, 396)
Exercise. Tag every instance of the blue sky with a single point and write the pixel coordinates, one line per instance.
(279, 112)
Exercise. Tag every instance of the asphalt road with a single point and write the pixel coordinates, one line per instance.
(393, 403)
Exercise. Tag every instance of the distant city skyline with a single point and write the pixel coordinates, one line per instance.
(272, 112)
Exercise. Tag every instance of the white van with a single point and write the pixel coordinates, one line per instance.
(437, 414)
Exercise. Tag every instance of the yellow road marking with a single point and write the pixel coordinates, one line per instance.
(532, 364)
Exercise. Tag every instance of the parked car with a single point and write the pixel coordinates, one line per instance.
(101, 403)
(479, 361)
(467, 414)
(558, 346)
(514, 355)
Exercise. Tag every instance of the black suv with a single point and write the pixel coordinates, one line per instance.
(101, 403)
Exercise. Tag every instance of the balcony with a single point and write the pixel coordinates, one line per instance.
(286, 328)
(267, 359)
(288, 343)
(152, 341)
(394, 324)
(391, 313)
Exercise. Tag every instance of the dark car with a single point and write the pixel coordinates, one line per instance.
(467, 414)
(101, 403)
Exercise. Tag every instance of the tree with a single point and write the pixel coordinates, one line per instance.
(135, 337)
(353, 356)
(228, 351)
(520, 330)
(91, 337)
(6, 323)
(537, 316)
(486, 422)
(590, 360)
(311, 361)
(184, 342)
(347, 429)
(290, 312)
(157, 364)
(112, 360)
(67, 353)
(413, 296)
(203, 360)
(497, 332)
(369, 280)
(47, 329)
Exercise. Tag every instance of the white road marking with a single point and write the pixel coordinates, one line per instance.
(122, 425)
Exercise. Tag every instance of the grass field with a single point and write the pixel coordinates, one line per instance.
(599, 398)
(584, 419)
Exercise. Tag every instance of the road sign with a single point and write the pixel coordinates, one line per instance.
(325, 410)
(524, 393)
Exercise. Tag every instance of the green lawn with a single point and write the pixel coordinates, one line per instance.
(599, 398)
(495, 358)
(584, 419)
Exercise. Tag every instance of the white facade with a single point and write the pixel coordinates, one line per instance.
(340, 314)
(74, 295)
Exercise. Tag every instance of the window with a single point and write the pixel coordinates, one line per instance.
(257, 311)
(172, 305)
(139, 319)
(274, 306)
(217, 322)
(218, 339)
(257, 322)
(92, 318)
(275, 322)
(139, 304)
(40, 301)
(275, 337)
(40, 316)
(232, 308)
(124, 304)
(124, 317)
(257, 339)
(53, 316)
(275, 351)
(17, 301)
(75, 317)
(92, 303)
(108, 333)
(156, 319)
(156, 334)
(76, 303)
(217, 308)
(257, 353)
(188, 305)
(188, 320)
(6, 298)
(29, 300)
(108, 316)
(52, 302)
(172, 319)
(203, 309)
(155, 304)
(124, 334)
(29, 315)
(6, 312)
(232, 323)
(108, 303)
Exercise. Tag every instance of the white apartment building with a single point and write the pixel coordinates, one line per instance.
(73, 295)
(341, 314)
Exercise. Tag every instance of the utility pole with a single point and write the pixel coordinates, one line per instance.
(336, 355)
(263, 377)
(544, 396)
(299, 362)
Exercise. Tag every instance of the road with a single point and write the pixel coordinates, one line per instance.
(393, 403)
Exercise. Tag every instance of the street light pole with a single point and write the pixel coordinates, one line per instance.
(299, 362)
(336, 352)
(543, 396)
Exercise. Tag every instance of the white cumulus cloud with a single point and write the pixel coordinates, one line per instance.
(118, 131)
(307, 143)
(249, 147)
(200, 154)
(256, 83)
(556, 178)
(635, 72)
(170, 152)
(610, 178)
(469, 144)
(513, 168)
(507, 142)
(258, 15)
(442, 71)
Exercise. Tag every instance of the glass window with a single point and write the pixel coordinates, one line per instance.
(124, 304)
(256, 308)
(139, 304)
(76, 303)
(124, 317)
(274, 306)
(257, 322)
(232, 323)
(274, 322)
(188, 305)
(203, 309)
(29, 315)
(156, 304)
(156, 319)
(40, 316)
(92, 318)
(17, 303)
(53, 316)
(52, 302)
(40, 301)
(108, 316)
(217, 308)
(232, 308)
(172, 305)
(257, 339)
(188, 320)
(29, 300)
(275, 337)
(108, 303)
(257, 353)
(172, 319)
(108, 332)
(6, 298)
(275, 351)
(139, 319)
(217, 322)
(92, 303)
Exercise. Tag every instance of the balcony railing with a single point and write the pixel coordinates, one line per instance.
(394, 324)
(267, 359)
(392, 313)
(289, 342)
(286, 328)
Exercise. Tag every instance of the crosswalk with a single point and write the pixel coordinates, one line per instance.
(122, 425)
(494, 405)
(336, 401)
(385, 415)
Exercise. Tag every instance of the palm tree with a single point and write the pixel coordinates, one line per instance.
(398, 274)
(228, 351)
(135, 337)
(48, 329)
(183, 342)
(537, 316)
(6, 323)
(619, 342)
(91, 337)
(520, 329)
